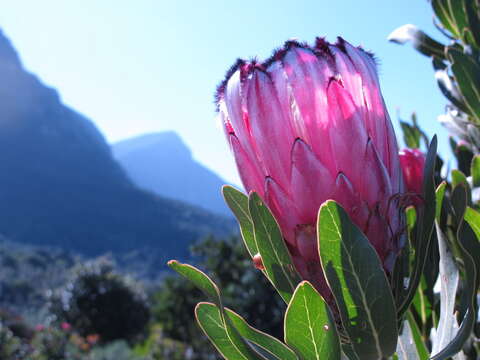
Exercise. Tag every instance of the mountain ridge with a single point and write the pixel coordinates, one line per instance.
(162, 163)
(60, 185)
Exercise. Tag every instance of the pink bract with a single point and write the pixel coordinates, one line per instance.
(310, 124)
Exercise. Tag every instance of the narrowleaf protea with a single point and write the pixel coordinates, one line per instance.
(412, 162)
(310, 124)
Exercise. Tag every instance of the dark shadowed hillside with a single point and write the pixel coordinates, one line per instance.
(162, 163)
(59, 184)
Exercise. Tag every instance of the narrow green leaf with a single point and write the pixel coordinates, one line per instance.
(209, 317)
(411, 135)
(439, 195)
(458, 178)
(447, 85)
(204, 283)
(473, 219)
(472, 10)
(400, 273)
(460, 18)
(423, 136)
(271, 345)
(422, 349)
(309, 326)
(423, 307)
(448, 277)
(441, 9)
(411, 217)
(469, 251)
(402, 263)
(238, 203)
(271, 246)
(406, 347)
(475, 171)
(420, 41)
(457, 10)
(424, 228)
(348, 352)
(465, 71)
(358, 283)
(199, 279)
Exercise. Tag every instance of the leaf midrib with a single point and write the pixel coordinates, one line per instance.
(317, 355)
(268, 234)
(357, 280)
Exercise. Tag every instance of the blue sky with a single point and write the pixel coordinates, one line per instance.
(153, 65)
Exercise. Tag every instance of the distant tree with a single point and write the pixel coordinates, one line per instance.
(99, 301)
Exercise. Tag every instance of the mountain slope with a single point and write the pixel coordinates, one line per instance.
(59, 184)
(162, 163)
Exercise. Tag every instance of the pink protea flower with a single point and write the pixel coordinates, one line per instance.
(308, 125)
(65, 326)
(412, 162)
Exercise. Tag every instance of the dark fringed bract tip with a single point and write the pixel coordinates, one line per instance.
(321, 48)
(239, 63)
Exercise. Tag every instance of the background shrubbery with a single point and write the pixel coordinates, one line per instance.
(90, 310)
(99, 301)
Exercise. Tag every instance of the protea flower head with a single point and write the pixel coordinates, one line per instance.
(310, 124)
(412, 162)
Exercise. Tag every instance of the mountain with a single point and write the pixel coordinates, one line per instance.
(162, 163)
(60, 186)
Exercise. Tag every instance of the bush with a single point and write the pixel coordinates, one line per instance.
(99, 301)
(11, 346)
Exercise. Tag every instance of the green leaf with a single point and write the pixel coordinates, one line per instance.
(420, 41)
(458, 178)
(406, 347)
(424, 228)
(411, 217)
(471, 244)
(448, 277)
(199, 279)
(475, 171)
(469, 250)
(358, 283)
(439, 195)
(460, 18)
(348, 352)
(472, 11)
(443, 12)
(473, 219)
(464, 158)
(423, 306)
(447, 85)
(402, 263)
(457, 11)
(400, 271)
(465, 71)
(273, 346)
(423, 136)
(204, 283)
(411, 135)
(310, 327)
(238, 203)
(209, 317)
(271, 246)
(422, 349)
